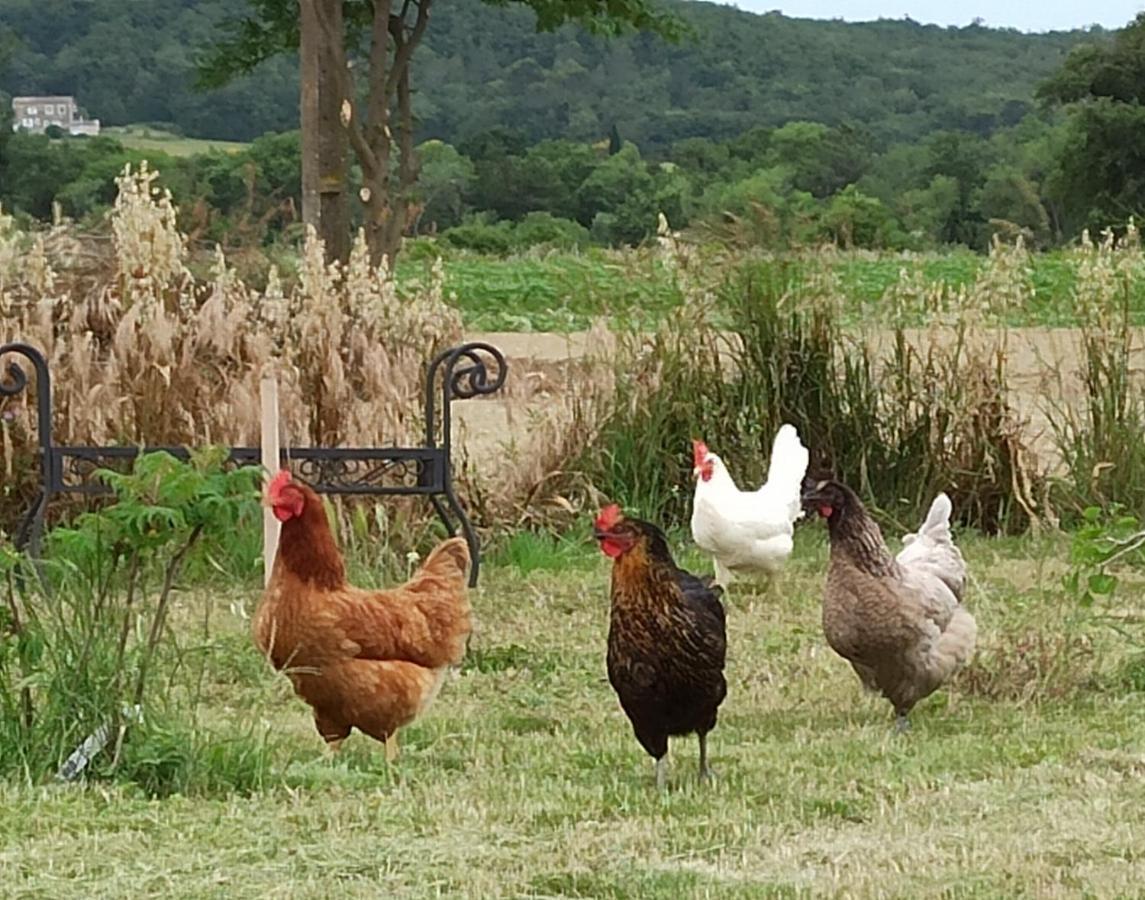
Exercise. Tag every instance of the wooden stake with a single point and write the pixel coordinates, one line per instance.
(270, 462)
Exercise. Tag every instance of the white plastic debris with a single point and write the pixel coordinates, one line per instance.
(92, 744)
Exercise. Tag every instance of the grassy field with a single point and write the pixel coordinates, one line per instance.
(1023, 780)
(563, 291)
(142, 137)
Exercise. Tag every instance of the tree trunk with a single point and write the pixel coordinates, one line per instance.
(332, 145)
(324, 201)
(393, 39)
(309, 44)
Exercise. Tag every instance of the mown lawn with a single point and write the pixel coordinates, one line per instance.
(1027, 779)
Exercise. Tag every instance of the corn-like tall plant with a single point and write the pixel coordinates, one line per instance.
(143, 351)
(1102, 439)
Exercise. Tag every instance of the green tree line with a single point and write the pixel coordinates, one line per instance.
(1071, 159)
(480, 68)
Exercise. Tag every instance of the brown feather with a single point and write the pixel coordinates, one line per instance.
(666, 639)
(371, 660)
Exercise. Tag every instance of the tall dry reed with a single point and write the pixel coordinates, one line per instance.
(1101, 436)
(142, 351)
(900, 413)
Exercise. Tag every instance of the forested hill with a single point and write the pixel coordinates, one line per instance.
(482, 66)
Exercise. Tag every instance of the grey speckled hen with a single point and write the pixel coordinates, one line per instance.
(899, 620)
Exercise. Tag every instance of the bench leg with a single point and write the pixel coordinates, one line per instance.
(31, 530)
(466, 530)
(28, 537)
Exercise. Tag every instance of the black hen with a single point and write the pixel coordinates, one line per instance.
(666, 639)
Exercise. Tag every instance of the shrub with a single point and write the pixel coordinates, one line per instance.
(83, 648)
(928, 413)
(481, 237)
(542, 228)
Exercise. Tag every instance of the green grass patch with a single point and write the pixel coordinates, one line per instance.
(524, 779)
(556, 292)
(562, 292)
(143, 137)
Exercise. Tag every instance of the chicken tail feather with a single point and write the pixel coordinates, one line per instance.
(448, 560)
(788, 465)
(937, 523)
(932, 548)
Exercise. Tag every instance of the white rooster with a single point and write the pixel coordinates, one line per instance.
(748, 531)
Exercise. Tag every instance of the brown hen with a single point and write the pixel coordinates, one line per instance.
(899, 620)
(371, 660)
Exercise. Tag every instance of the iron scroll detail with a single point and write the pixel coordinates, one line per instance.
(464, 375)
(30, 529)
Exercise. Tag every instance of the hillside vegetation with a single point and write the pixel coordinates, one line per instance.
(481, 67)
(757, 131)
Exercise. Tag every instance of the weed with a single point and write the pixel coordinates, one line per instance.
(84, 646)
(930, 412)
(1099, 438)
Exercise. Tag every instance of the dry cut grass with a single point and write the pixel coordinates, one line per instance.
(525, 780)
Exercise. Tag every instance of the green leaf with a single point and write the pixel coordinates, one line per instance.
(1101, 583)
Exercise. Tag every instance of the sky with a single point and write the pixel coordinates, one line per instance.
(1025, 15)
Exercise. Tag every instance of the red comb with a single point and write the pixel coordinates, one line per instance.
(277, 483)
(699, 452)
(608, 518)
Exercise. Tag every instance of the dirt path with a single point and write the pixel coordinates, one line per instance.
(1042, 368)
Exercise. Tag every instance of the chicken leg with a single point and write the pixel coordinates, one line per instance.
(662, 772)
(902, 724)
(391, 746)
(706, 773)
(723, 574)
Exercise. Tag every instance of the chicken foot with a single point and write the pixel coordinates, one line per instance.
(902, 724)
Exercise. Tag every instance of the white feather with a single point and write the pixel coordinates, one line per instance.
(930, 552)
(751, 530)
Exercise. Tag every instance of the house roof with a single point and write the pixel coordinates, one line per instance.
(46, 98)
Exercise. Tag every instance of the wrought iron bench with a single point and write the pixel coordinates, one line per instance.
(463, 373)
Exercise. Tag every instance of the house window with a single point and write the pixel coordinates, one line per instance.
(31, 110)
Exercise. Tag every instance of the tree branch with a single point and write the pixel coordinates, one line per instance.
(409, 43)
(335, 44)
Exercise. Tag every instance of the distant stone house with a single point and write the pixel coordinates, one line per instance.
(37, 114)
